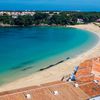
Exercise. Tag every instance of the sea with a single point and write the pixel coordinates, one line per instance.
(27, 50)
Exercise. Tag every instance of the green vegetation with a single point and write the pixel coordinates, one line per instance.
(51, 18)
(25, 20)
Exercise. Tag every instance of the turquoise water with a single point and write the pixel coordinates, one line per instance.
(26, 50)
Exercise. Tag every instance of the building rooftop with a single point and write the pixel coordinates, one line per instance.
(88, 77)
(92, 89)
(50, 91)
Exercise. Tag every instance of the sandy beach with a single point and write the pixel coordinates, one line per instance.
(60, 70)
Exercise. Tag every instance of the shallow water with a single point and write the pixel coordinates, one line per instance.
(26, 50)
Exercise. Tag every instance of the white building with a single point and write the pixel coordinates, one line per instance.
(80, 21)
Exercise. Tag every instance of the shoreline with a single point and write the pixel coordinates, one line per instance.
(56, 72)
(9, 25)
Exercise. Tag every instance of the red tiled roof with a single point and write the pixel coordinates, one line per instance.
(92, 89)
(45, 92)
(89, 71)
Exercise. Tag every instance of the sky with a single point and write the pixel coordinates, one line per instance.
(82, 5)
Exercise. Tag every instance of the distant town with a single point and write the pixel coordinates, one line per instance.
(15, 14)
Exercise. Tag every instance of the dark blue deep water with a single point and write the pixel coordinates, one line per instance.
(61, 5)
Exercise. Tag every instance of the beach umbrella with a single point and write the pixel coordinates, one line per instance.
(76, 68)
(72, 77)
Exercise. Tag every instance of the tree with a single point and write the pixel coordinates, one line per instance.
(40, 17)
(25, 20)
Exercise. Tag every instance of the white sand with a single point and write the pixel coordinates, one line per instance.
(58, 71)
